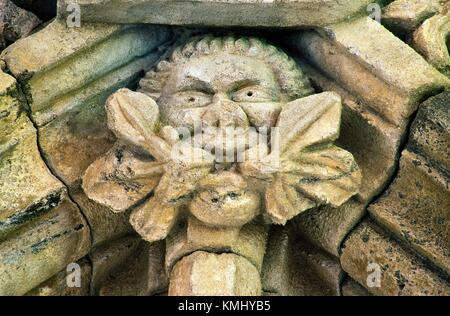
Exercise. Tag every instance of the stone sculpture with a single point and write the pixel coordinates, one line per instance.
(222, 94)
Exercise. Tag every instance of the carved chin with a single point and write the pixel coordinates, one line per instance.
(233, 209)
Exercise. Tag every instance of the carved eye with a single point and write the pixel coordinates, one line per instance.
(253, 94)
(193, 98)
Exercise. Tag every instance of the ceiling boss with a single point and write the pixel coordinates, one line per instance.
(221, 140)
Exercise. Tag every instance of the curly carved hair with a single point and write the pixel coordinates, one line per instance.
(294, 84)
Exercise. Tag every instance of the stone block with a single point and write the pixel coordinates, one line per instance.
(27, 187)
(60, 67)
(42, 248)
(109, 257)
(67, 74)
(402, 273)
(416, 209)
(430, 132)
(404, 16)
(142, 275)
(431, 40)
(287, 13)
(416, 206)
(248, 241)
(374, 65)
(57, 285)
(209, 274)
(294, 267)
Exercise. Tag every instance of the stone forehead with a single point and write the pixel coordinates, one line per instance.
(290, 77)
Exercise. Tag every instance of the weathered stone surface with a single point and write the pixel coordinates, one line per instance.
(327, 227)
(402, 273)
(430, 132)
(15, 23)
(61, 67)
(104, 224)
(109, 257)
(143, 274)
(40, 249)
(391, 84)
(351, 288)
(209, 274)
(41, 230)
(27, 187)
(248, 241)
(407, 15)
(295, 267)
(70, 115)
(57, 285)
(431, 40)
(287, 13)
(416, 206)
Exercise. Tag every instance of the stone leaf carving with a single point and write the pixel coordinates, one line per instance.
(141, 163)
(299, 170)
(311, 170)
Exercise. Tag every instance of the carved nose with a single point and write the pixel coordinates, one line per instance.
(224, 113)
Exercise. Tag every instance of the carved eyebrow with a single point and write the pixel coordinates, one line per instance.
(245, 83)
(192, 83)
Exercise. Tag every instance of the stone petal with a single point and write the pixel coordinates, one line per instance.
(133, 116)
(308, 121)
(283, 202)
(329, 176)
(180, 180)
(121, 178)
(153, 220)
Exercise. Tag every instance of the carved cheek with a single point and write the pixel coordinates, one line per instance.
(262, 114)
(187, 117)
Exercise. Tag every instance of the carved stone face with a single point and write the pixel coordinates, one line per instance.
(223, 82)
(221, 90)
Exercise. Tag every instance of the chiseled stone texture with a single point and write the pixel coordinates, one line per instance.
(402, 273)
(416, 207)
(143, 274)
(294, 267)
(271, 13)
(67, 74)
(57, 285)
